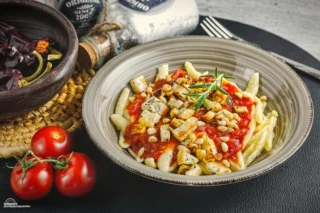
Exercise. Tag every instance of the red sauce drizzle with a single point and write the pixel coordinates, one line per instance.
(134, 108)
(137, 141)
(154, 150)
(159, 84)
(237, 136)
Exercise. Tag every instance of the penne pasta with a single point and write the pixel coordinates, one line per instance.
(259, 116)
(255, 149)
(253, 85)
(122, 141)
(122, 101)
(120, 122)
(237, 164)
(252, 126)
(139, 159)
(192, 71)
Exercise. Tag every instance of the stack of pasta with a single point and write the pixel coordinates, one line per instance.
(194, 123)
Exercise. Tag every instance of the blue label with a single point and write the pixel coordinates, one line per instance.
(141, 5)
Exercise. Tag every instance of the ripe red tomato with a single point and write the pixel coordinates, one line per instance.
(36, 183)
(51, 141)
(78, 178)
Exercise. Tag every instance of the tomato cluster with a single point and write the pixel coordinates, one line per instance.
(33, 176)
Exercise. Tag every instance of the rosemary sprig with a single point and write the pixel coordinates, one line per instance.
(216, 85)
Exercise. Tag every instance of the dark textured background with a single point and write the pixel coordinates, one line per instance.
(292, 187)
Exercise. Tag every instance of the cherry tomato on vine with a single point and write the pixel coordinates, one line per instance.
(79, 176)
(51, 141)
(34, 181)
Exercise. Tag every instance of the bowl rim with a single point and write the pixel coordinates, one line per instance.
(205, 181)
(71, 52)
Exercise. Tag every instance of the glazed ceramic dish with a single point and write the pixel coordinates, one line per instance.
(286, 92)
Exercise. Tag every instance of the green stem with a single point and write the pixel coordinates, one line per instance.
(54, 54)
(38, 71)
(48, 68)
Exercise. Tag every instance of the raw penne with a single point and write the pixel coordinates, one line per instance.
(194, 124)
(122, 101)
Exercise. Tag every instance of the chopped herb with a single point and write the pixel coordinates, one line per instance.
(216, 85)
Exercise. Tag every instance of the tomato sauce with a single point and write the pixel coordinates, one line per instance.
(159, 84)
(154, 150)
(237, 136)
(137, 141)
(134, 108)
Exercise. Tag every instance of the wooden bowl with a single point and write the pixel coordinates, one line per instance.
(35, 20)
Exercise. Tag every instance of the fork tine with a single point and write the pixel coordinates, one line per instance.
(207, 30)
(213, 23)
(221, 27)
(212, 29)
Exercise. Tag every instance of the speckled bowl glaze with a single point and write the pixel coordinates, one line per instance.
(286, 93)
(35, 21)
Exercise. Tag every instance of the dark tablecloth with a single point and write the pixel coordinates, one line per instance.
(292, 187)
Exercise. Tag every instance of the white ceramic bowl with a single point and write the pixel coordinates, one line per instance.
(286, 93)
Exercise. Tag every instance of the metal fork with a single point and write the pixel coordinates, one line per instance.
(214, 29)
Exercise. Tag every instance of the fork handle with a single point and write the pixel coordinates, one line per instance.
(301, 67)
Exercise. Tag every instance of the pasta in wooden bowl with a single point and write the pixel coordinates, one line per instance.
(194, 123)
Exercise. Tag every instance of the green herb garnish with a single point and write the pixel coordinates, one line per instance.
(216, 85)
